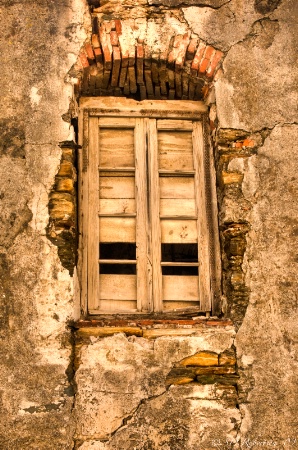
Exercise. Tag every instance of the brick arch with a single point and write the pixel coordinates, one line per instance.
(145, 60)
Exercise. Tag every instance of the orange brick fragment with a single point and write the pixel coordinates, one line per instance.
(114, 38)
(191, 49)
(213, 63)
(197, 59)
(89, 51)
(95, 41)
(118, 27)
(248, 143)
(83, 59)
(206, 59)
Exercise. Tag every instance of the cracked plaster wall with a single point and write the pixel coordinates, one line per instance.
(257, 93)
(39, 43)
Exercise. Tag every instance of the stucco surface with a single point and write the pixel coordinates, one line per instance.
(39, 42)
(269, 347)
(122, 395)
(259, 86)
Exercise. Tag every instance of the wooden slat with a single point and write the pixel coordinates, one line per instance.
(155, 250)
(175, 206)
(177, 187)
(111, 306)
(182, 288)
(117, 229)
(82, 215)
(117, 287)
(116, 122)
(180, 264)
(93, 197)
(117, 187)
(116, 147)
(117, 261)
(144, 295)
(175, 150)
(174, 305)
(117, 206)
(215, 263)
(118, 215)
(178, 231)
(106, 171)
(158, 332)
(179, 216)
(202, 224)
(172, 124)
(176, 173)
(117, 106)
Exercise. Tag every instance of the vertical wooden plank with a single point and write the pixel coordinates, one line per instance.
(143, 295)
(203, 230)
(93, 206)
(214, 229)
(154, 201)
(83, 208)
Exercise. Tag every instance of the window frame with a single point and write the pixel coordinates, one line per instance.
(92, 108)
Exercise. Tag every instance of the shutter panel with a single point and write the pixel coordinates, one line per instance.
(145, 222)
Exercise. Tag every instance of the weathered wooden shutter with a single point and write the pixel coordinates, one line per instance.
(145, 229)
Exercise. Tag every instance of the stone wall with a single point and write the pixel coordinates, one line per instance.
(67, 384)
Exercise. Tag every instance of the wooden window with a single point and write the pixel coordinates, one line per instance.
(147, 223)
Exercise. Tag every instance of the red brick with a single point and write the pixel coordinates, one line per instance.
(154, 72)
(131, 56)
(180, 58)
(116, 66)
(118, 27)
(140, 51)
(83, 59)
(140, 61)
(124, 62)
(197, 59)
(149, 85)
(89, 52)
(132, 80)
(191, 49)
(178, 84)
(95, 41)
(209, 52)
(206, 59)
(106, 48)
(175, 50)
(123, 74)
(213, 63)
(171, 79)
(98, 55)
(114, 38)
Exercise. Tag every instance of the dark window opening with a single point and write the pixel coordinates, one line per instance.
(179, 253)
(180, 270)
(118, 269)
(117, 250)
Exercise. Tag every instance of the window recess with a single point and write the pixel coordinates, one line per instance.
(147, 241)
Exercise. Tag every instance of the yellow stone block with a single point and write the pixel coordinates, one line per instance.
(203, 359)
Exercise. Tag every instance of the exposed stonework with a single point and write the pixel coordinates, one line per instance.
(62, 228)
